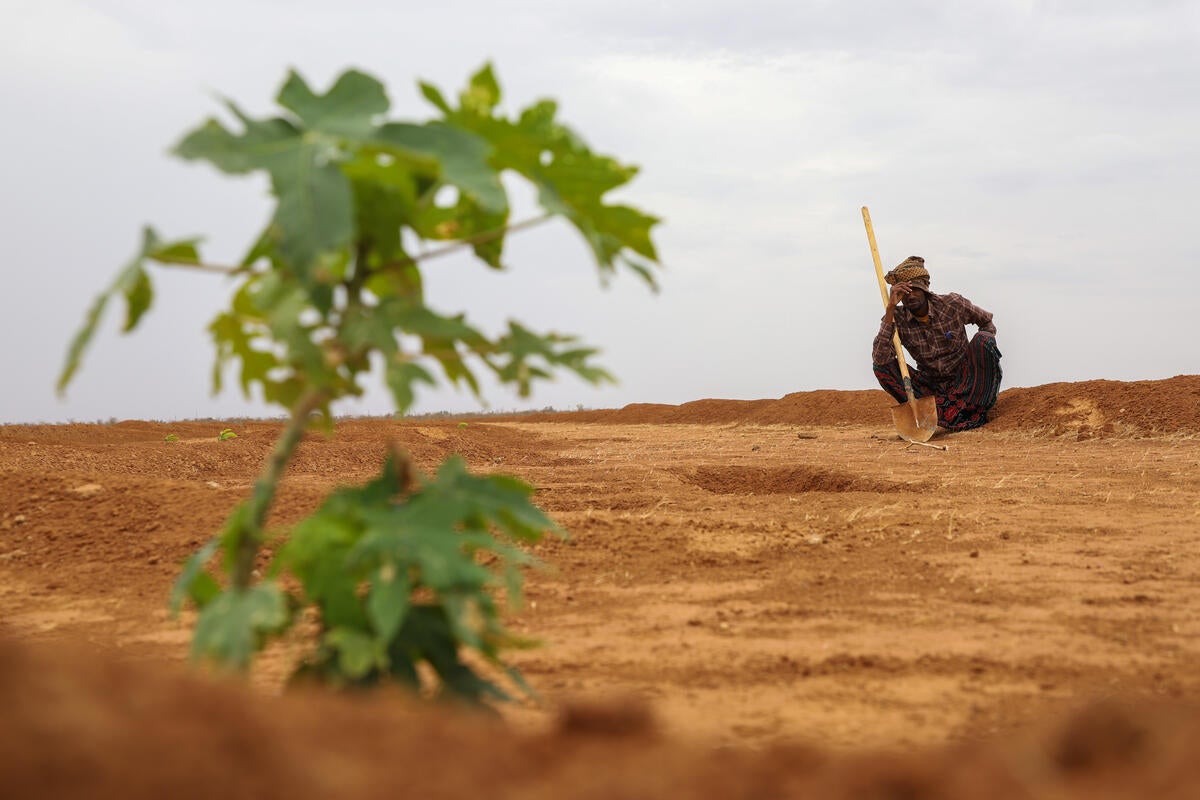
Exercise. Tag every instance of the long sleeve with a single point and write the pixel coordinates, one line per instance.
(882, 350)
(977, 316)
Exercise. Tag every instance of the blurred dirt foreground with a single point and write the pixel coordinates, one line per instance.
(771, 598)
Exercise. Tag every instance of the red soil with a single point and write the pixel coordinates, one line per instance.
(790, 602)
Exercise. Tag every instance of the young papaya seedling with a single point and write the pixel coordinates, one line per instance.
(407, 573)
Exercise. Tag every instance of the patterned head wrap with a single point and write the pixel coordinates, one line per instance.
(912, 270)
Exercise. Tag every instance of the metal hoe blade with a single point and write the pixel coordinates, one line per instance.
(916, 420)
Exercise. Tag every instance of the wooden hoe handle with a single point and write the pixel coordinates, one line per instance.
(883, 292)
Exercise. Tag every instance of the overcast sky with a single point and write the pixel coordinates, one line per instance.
(1044, 158)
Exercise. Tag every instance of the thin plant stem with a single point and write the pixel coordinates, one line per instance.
(250, 537)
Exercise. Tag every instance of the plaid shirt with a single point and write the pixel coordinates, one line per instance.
(939, 345)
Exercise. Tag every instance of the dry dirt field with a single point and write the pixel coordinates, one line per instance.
(758, 599)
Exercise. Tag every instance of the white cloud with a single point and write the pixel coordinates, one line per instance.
(70, 44)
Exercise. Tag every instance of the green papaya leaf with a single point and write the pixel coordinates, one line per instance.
(388, 600)
(322, 537)
(315, 213)
(461, 155)
(80, 342)
(263, 247)
(501, 499)
(316, 207)
(368, 328)
(518, 679)
(231, 627)
(483, 91)
(571, 179)
(644, 272)
(402, 378)
(517, 356)
(260, 142)
(458, 607)
(235, 336)
(348, 109)
(626, 227)
(381, 209)
(133, 284)
(193, 569)
(181, 252)
(428, 632)
(434, 95)
(357, 653)
(204, 590)
(427, 323)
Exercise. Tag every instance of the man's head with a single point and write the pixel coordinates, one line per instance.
(911, 271)
(912, 274)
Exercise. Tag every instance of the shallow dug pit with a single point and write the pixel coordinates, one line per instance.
(785, 480)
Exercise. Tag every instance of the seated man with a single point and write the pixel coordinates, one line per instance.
(963, 375)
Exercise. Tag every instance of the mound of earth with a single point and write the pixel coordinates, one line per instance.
(78, 726)
(1104, 407)
(1088, 408)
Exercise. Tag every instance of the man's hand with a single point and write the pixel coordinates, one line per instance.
(898, 293)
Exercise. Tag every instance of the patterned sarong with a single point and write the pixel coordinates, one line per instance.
(963, 400)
